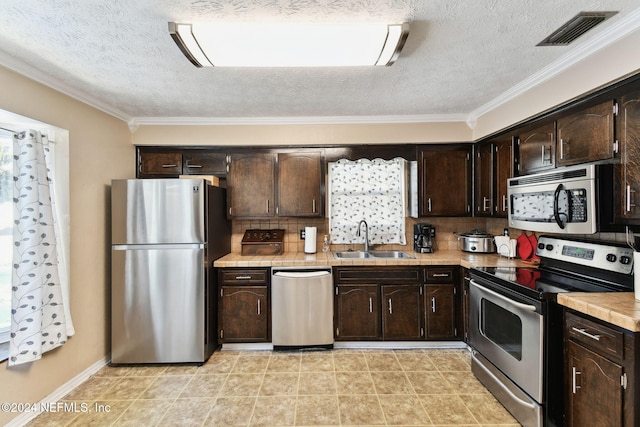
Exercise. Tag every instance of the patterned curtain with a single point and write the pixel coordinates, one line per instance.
(38, 320)
(373, 190)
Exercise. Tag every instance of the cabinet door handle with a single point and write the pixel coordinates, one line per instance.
(259, 307)
(586, 334)
(267, 205)
(561, 149)
(433, 304)
(169, 166)
(370, 305)
(390, 307)
(628, 194)
(429, 204)
(574, 380)
(504, 203)
(485, 201)
(313, 206)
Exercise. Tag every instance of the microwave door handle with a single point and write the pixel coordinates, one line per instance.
(556, 213)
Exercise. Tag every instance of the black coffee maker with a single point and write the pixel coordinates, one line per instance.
(424, 238)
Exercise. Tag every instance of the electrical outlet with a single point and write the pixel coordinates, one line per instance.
(302, 234)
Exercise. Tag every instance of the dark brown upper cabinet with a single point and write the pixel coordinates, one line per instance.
(586, 135)
(300, 185)
(503, 170)
(627, 175)
(158, 163)
(537, 148)
(171, 162)
(251, 185)
(200, 162)
(444, 183)
(483, 180)
(263, 185)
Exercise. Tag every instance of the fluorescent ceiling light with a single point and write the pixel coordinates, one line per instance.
(289, 45)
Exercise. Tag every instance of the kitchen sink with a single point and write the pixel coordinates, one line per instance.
(352, 254)
(390, 254)
(372, 254)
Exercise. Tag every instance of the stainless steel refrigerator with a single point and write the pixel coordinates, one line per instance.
(166, 233)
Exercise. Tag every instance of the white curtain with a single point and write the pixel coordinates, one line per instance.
(40, 317)
(373, 190)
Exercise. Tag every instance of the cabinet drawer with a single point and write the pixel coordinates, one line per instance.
(440, 274)
(244, 276)
(378, 275)
(596, 336)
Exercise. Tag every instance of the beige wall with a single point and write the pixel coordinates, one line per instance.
(303, 134)
(619, 60)
(99, 149)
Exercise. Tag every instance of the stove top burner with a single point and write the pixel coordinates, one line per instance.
(540, 283)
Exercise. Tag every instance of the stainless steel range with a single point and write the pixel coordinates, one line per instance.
(516, 323)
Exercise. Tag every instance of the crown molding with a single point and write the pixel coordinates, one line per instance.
(42, 77)
(614, 33)
(309, 120)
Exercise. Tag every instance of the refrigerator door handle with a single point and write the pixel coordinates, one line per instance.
(159, 246)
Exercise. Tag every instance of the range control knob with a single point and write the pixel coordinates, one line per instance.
(549, 247)
(625, 260)
(541, 246)
(612, 257)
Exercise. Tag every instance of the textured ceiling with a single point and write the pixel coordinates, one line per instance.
(460, 55)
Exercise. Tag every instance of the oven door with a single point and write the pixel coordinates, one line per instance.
(508, 332)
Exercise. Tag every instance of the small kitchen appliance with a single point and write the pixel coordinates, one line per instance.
(476, 241)
(424, 238)
(262, 242)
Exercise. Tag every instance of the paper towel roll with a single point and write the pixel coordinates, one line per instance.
(310, 234)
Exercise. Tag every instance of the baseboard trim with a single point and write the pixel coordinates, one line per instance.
(59, 393)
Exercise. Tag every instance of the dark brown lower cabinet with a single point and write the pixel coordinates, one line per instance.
(357, 312)
(390, 303)
(244, 305)
(595, 397)
(402, 314)
(600, 371)
(441, 311)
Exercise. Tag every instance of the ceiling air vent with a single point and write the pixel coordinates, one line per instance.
(575, 27)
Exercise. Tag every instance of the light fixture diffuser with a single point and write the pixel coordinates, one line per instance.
(289, 44)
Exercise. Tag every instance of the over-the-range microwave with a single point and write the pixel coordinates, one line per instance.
(571, 200)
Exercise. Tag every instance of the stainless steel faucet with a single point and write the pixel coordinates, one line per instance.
(366, 235)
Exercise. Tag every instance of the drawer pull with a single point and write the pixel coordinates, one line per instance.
(440, 275)
(169, 166)
(243, 277)
(585, 333)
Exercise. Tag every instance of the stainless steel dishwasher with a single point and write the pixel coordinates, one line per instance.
(301, 308)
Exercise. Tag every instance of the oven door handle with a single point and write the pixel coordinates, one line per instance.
(502, 297)
(505, 388)
(556, 202)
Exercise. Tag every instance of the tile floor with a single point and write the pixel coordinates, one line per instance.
(330, 388)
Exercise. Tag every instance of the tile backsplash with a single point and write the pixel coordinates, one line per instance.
(445, 227)
(445, 239)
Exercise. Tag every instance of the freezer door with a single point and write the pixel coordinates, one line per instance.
(156, 211)
(158, 305)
